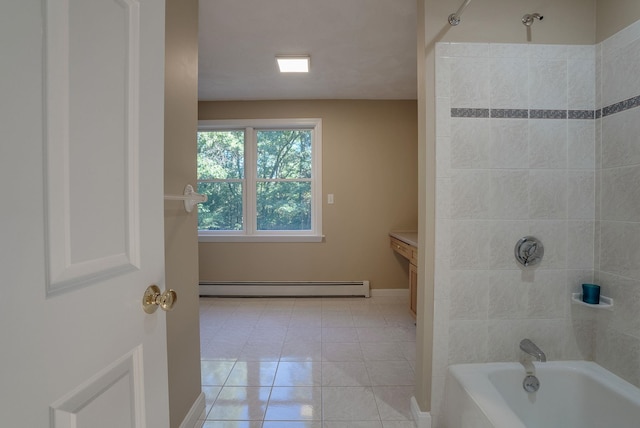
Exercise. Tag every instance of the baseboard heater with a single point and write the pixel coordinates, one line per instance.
(284, 289)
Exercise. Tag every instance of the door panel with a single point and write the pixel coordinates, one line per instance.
(81, 217)
(117, 387)
(92, 95)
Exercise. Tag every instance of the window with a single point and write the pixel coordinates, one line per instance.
(263, 180)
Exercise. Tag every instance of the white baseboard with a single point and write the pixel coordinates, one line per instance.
(422, 419)
(285, 288)
(196, 413)
(390, 292)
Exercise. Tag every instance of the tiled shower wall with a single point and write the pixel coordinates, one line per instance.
(515, 156)
(617, 261)
(537, 140)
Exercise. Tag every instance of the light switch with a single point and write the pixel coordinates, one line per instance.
(330, 198)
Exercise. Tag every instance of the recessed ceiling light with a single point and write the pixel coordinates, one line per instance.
(293, 63)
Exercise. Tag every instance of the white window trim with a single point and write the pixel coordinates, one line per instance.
(249, 234)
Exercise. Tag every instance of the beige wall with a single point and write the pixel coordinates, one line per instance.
(614, 15)
(496, 21)
(426, 223)
(181, 251)
(499, 21)
(369, 164)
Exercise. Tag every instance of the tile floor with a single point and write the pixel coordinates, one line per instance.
(307, 362)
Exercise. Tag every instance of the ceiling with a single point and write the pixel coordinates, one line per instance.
(360, 49)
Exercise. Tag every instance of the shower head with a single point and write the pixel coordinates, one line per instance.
(530, 17)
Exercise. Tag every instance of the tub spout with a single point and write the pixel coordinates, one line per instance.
(532, 349)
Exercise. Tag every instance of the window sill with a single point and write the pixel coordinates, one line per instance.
(260, 238)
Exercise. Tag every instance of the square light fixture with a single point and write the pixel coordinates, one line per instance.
(293, 63)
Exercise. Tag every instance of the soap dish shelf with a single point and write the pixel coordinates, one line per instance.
(605, 302)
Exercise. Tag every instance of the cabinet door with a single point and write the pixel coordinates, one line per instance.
(413, 288)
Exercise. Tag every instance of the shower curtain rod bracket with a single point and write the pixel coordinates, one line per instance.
(454, 18)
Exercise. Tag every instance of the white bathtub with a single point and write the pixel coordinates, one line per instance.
(572, 394)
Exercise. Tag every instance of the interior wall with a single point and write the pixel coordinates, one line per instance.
(614, 15)
(181, 244)
(369, 165)
(499, 21)
(618, 203)
(426, 222)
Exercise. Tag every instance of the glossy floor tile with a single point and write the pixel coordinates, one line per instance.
(307, 362)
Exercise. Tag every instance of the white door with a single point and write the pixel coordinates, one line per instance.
(81, 214)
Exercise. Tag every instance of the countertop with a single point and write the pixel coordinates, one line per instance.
(407, 236)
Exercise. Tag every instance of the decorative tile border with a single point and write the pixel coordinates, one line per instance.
(520, 113)
(469, 112)
(547, 114)
(582, 114)
(510, 113)
(621, 106)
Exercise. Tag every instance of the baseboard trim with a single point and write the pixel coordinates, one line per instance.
(422, 419)
(196, 414)
(389, 292)
(284, 288)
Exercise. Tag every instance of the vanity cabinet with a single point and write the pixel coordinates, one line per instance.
(413, 289)
(405, 244)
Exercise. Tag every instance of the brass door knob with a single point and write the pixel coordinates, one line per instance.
(153, 299)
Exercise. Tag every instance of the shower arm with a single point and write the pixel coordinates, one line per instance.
(454, 18)
(530, 17)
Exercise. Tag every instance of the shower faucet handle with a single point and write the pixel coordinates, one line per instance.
(529, 251)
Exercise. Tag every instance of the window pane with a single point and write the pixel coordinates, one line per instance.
(284, 206)
(220, 154)
(223, 209)
(284, 153)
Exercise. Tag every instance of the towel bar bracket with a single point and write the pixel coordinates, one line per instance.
(189, 197)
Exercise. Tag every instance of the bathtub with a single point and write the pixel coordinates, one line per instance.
(572, 394)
